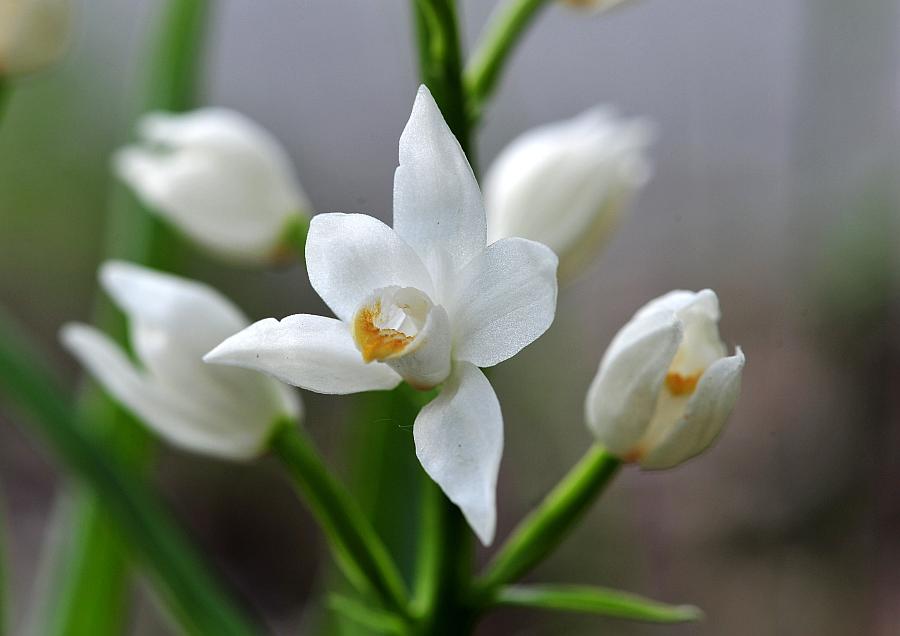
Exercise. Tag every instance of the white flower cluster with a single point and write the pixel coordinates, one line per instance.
(429, 301)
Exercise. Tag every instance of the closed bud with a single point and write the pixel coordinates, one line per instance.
(220, 179)
(567, 184)
(173, 322)
(666, 385)
(33, 34)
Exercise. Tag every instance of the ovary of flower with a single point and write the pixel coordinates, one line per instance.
(173, 321)
(428, 302)
(666, 386)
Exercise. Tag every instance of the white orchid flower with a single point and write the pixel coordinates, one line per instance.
(218, 177)
(666, 385)
(568, 183)
(173, 321)
(427, 302)
(33, 34)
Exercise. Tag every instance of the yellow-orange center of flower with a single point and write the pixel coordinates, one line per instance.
(682, 384)
(376, 343)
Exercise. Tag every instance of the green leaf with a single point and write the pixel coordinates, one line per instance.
(596, 600)
(190, 591)
(376, 620)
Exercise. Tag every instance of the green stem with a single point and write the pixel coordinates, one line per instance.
(92, 571)
(5, 95)
(440, 65)
(357, 548)
(187, 588)
(504, 32)
(539, 533)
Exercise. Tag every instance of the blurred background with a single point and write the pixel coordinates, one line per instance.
(775, 183)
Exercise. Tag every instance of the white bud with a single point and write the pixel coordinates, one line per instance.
(33, 34)
(566, 184)
(218, 177)
(173, 322)
(666, 386)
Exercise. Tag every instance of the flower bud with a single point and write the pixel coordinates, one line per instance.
(666, 386)
(33, 34)
(173, 322)
(566, 184)
(218, 177)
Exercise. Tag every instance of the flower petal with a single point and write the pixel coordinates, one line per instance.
(311, 352)
(427, 364)
(348, 256)
(505, 299)
(438, 207)
(706, 415)
(621, 400)
(173, 415)
(459, 440)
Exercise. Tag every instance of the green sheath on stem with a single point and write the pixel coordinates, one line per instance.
(548, 524)
(192, 594)
(357, 547)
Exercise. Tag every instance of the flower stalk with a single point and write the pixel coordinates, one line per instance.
(503, 34)
(539, 533)
(357, 548)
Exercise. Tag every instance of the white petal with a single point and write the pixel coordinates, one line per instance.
(193, 312)
(707, 413)
(506, 299)
(348, 256)
(427, 363)
(459, 440)
(176, 416)
(311, 352)
(621, 400)
(437, 203)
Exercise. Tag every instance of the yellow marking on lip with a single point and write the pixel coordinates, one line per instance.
(682, 384)
(374, 342)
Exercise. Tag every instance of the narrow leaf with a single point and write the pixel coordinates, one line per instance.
(596, 600)
(376, 620)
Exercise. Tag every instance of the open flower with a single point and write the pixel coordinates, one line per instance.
(172, 322)
(567, 184)
(426, 302)
(218, 177)
(33, 34)
(666, 385)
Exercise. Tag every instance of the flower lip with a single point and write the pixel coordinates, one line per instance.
(388, 322)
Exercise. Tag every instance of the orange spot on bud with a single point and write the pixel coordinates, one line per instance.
(682, 384)
(374, 342)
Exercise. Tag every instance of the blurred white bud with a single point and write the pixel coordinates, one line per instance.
(33, 34)
(666, 385)
(173, 322)
(567, 183)
(218, 177)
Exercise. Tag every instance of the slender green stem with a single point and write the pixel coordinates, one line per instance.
(90, 581)
(539, 533)
(504, 32)
(440, 65)
(357, 548)
(189, 590)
